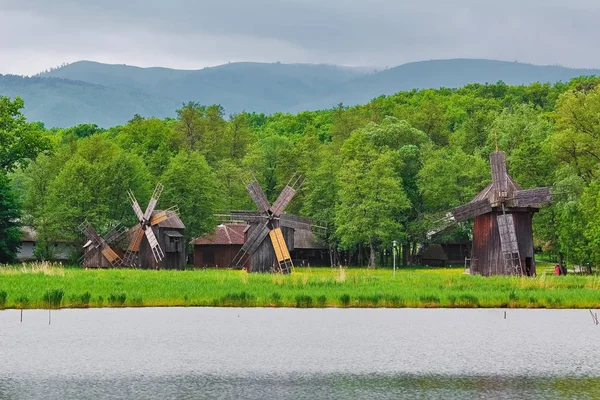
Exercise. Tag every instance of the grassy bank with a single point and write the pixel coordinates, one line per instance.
(43, 286)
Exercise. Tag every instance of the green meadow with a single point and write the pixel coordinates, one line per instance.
(54, 286)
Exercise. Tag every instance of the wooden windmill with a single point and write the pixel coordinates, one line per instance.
(271, 255)
(98, 250)
(502, 232)
(147, 222)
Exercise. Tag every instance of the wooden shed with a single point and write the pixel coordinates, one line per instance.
(170, 236)
(308, 250)
(218, 249)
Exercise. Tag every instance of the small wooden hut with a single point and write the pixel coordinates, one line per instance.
(170, 236)
(219, 248)
(308, 250)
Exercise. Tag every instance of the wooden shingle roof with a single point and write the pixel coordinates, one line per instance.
(223, 234)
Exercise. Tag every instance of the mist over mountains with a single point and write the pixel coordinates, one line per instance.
(108, 95)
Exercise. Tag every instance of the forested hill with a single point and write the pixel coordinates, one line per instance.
(108, 95)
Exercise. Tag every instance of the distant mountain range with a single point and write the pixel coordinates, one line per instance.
(108, 95)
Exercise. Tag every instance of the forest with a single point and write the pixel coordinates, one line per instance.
(383, 171)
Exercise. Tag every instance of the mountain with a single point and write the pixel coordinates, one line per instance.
(91, 92)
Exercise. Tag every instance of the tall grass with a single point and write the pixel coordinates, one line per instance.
(42, 286)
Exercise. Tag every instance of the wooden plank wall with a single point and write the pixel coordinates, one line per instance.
(486, 253)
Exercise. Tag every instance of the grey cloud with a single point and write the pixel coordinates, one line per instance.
(188, 33)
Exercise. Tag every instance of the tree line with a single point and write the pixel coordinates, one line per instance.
(383, 171)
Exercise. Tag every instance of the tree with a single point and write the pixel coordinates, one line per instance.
(190, 184)
(92, 184)
(371, 195)
(19, 141)
(10, 212)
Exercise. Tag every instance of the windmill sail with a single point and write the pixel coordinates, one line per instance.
(258, 196)
(286, 195)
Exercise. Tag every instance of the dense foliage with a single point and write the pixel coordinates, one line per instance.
(383, 171)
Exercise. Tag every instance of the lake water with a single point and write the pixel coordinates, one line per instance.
(229, 353)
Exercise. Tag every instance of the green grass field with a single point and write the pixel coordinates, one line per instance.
(44, 286)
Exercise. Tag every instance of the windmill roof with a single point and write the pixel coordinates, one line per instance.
(305, 239)
(223, 234)
(174, 222)
(488, 192)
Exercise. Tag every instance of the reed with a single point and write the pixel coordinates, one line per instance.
(57, 286)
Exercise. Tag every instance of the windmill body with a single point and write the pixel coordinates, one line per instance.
(169, 235)
(270, 237)
(157, 241)
(502, 231)
(99, 251)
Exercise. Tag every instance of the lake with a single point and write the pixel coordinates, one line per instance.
(253, 353)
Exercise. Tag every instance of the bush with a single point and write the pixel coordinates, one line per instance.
(429, 299)
(54, 297)
(137, 301)
(82, 300)
(237, 299)
(303, 301)
(345, 300)
(117, 300)
(3, 297)
(321, 301)
(22, 302)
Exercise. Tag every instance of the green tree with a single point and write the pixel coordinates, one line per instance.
(190, 184)
(10, 212)
(371, 195)
(19, 141)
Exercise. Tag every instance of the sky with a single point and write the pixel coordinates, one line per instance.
(190, 34)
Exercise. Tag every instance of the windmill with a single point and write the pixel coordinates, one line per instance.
(502, 231)
(273, 254)
(98, 250)
(146, 221)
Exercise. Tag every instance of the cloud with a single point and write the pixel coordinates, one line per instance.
(193, 34)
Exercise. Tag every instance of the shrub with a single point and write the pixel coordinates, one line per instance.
(237, 299)
(137, 301)
(54, 297)
(303, 301)
(276, 298)
(345, 300)
(321, 301)
(22, 301)
(429, 299)
(117, 300)
(3, 297)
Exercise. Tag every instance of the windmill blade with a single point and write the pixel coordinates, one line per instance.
(286, 195)
(281, 250)
(532, 197)
(240, 215)
(153, 242)
(508, 237)
(116, 234)
(153, 200)
(499, 173)
(296, 222)
(90, 233)
(135, 205)
(113, 258)
(255, 239)
(472, 210)
(136, 236)
(258, 196)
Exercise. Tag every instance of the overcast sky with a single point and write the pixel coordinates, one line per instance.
(39, 34)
